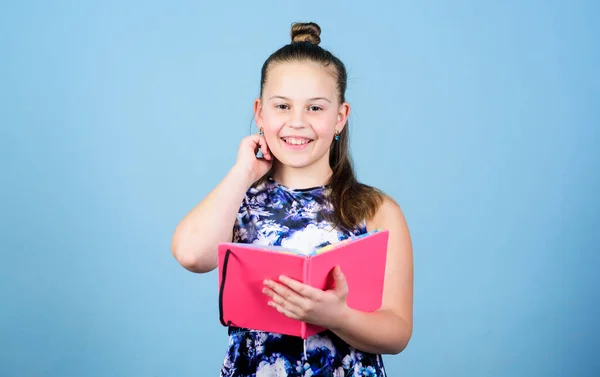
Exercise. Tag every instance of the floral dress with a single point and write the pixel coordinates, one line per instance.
(273, 214)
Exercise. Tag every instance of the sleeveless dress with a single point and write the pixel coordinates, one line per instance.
(273, 214)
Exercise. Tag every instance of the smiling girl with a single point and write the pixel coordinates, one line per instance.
(303, 193)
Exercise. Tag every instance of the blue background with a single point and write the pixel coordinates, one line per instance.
(480, 117)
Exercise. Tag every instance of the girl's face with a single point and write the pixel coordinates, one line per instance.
(300, 112)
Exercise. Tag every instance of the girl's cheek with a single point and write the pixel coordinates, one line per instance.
(274, 122)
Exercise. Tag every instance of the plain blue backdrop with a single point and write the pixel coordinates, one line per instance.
(481, 118)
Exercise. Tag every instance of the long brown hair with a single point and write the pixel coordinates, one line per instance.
(352, 201)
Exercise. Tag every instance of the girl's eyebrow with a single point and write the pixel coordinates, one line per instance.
(310, 99)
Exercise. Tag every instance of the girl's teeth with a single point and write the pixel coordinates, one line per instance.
(296, 141)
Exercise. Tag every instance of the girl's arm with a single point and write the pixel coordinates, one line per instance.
(211, 222)
(388, 330)
(196, 237)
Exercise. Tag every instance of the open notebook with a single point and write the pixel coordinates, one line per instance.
(243, 268)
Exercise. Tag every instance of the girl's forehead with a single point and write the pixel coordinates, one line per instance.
(300, 77)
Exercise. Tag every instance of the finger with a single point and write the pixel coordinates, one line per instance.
(285, 292)
(282, 302)
(341, 285)
(302, 289)
(257, 142)
(252, 142)
(283, 310)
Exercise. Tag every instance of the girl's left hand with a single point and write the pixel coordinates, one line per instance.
(308, 304)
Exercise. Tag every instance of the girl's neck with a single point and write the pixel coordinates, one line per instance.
(301, 178)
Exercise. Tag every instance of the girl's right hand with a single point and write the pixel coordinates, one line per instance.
(248, 162)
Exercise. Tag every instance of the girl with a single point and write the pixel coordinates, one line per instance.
(303, 193)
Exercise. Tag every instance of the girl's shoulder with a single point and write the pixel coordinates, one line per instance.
(382, 207)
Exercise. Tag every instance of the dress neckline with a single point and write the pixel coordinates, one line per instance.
(299, 190)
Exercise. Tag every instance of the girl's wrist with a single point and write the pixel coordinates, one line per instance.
(342, 319)
(243, 175)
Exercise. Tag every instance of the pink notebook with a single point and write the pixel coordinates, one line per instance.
(244, 267)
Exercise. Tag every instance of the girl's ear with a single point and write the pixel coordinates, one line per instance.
(342, 118)
(258, 112)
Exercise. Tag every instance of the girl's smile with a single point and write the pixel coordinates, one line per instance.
(296, 143)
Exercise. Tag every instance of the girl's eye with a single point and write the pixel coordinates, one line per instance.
(282, 107)
(314, 108)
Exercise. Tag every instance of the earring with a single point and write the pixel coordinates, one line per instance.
(261, 133)
(337, 135)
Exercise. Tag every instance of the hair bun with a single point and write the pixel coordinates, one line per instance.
(306, 32)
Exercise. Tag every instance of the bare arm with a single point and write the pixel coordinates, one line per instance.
(211, 222)
(388, 330)
(196, 237)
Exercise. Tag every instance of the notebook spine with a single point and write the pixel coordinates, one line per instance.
(305, 280)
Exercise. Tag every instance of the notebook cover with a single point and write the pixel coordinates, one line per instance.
(362, 260)
(244, 304)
